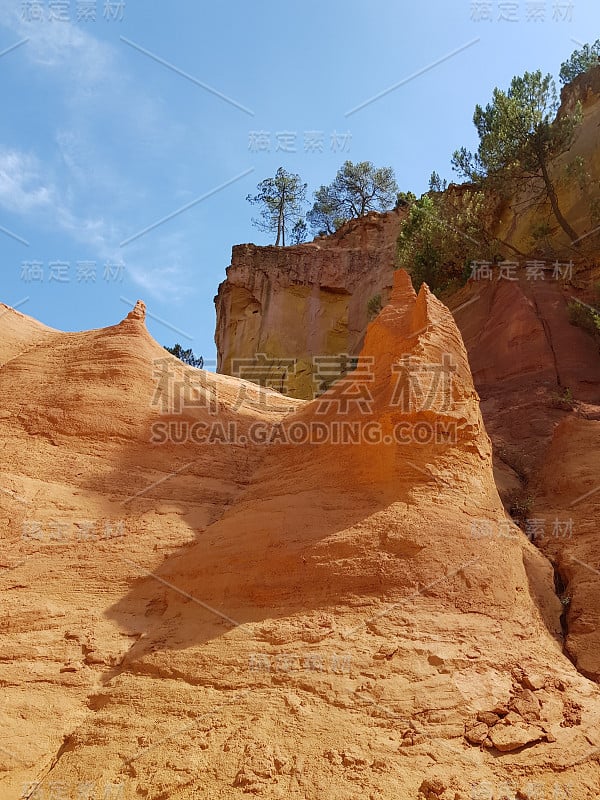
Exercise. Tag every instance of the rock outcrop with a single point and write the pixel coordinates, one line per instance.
(213, 590)
(537, 375)
(539, 381)
(304, 302)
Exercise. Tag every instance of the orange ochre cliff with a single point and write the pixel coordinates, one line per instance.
(214, 590)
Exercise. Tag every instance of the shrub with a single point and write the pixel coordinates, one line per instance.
(584, 317)
(564, 401)
(520, 506)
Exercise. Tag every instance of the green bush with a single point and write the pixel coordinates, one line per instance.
(564, 401)
(520, 505)
(584, 317)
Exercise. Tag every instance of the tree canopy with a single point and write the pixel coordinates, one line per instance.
(580, 61)
(518, 137)
(443, 233)
(355, 190)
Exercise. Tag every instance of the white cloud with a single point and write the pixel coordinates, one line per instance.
(58, 44)
(161, 282)
(26, 188)
(21, 187)
(81, 187)
(160, 271)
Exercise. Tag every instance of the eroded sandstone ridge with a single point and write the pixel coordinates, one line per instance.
(212, 590)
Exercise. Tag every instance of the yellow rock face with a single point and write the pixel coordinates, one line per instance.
(303, 303)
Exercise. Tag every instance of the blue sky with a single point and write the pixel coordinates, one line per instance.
(112, 125)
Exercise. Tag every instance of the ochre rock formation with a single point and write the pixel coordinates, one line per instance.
(537, 374)
(304, 301)
(203, 600)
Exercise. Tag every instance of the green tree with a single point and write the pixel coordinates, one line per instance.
(518, 138)
(443, 233)
(325, 216)
(355, 190)
(281, 200)
(580, 61)
(187, 356)
(436, 184)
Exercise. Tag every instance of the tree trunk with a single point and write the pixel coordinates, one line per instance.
(281, 220)
(279, 225)
(572, 234)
